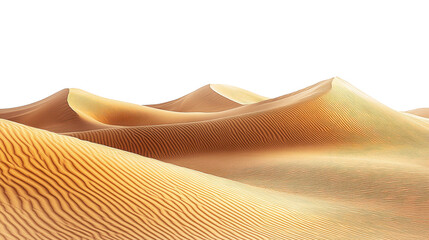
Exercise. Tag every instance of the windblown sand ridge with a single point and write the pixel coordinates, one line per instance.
(56, 187)
(72, 110)
(80, 110)
(330, 113)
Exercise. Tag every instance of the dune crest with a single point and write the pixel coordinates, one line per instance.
(74, 110)
(79, 110)
(236, 94)
(329, 113)
(204, 99)
(52, 113)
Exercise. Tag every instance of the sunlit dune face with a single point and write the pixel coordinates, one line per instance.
(333, 116)
(324, 162)
(237, 94)
(204, 99)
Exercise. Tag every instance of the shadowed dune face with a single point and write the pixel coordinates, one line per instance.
(118, 113)
(74, 110)
(52, 113)
(422, 112)
(56, 187)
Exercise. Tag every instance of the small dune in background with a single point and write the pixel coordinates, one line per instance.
(324, 162)
(422, 112)
(211, 98)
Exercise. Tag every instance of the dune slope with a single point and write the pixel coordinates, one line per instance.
(343, 166)
(422, 112)
(330, 113)
(57, 187)
(52, 113)
(329, 141)
(204, 99)
(73, 110)
(237, 94)
(117, 113)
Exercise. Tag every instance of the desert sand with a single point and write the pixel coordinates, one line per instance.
(324, 162)
(422, 112)
(211, 98)
(52, 113)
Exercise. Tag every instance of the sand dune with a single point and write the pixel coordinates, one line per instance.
(72, 110)
(82, 111)
(422, 112)
(211, 98)
(52, 113)
(236, 94)
(117, 113)
(331, 163)
(329, 113)
(330, 142)
(56, 187)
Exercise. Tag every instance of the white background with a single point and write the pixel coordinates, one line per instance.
(153, 51)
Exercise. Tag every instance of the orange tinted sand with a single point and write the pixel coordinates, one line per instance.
(73, 110)
(331, 163)
(57, 187)
(422, 112)
(331, 113)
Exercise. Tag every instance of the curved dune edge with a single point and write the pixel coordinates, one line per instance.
(204, 99)
(53, 114)
(74, 110)
(237, 94)
(333, 113)
(421, 112)
(57, 187)
(112, 112)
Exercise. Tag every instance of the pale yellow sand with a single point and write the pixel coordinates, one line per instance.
(236, 94)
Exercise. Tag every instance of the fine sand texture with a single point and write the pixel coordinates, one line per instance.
(330, 113)
(324, 162)
(57, 187)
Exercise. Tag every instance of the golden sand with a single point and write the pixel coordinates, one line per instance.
(325, 162)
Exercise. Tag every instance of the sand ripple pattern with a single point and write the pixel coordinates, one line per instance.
(340, 116)
(56, 187)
